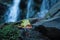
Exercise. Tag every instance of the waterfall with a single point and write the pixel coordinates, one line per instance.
(44, 8)
(29, 8)
(46, 5)
(13, 12)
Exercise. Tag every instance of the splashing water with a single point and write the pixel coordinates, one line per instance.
(14, 12)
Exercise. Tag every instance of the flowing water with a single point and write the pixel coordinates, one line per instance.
(28, 8)
(44, 8)
(13, 12)
(30, 11)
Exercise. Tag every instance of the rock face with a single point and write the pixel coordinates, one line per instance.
(50, 32)
(53, 18)
(3, 8)
(55, 10)
(54, 13)
(53, 23)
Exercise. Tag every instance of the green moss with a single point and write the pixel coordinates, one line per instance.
(9, 32)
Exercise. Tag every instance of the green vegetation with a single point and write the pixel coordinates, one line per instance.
(25, 22)
(9, 32)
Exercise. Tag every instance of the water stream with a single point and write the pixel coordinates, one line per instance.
(28, 8)
(44, 8)
(13, 12)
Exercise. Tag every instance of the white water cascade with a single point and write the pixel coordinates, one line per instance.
(13, 12)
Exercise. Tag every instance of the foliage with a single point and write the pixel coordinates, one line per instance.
(9, 32)
(25, 22)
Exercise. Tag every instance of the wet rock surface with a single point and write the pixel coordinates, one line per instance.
(41, 33)
(51, 32)
(33, 35)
